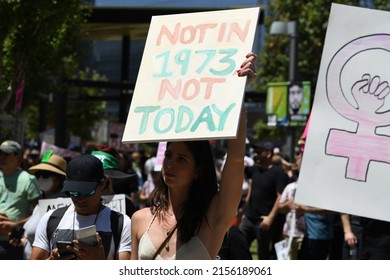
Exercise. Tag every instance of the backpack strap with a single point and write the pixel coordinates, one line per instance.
(116, 228)
(54, 221)
(115, 217)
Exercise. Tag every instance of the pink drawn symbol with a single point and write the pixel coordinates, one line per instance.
(364, 145)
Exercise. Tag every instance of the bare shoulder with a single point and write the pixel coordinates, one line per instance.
(141, 216)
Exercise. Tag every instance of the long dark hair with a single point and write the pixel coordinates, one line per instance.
(193, 210)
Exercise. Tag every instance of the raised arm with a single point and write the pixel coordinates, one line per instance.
(224, 205)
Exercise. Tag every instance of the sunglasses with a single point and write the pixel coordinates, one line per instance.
(43, 174)
(79, 194)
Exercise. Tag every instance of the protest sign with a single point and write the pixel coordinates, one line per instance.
(58, 150)
(187, 87)
(162, 146)
(115, 202)
(347, 153)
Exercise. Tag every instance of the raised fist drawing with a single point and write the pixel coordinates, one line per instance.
(369, 110)
(370, 94)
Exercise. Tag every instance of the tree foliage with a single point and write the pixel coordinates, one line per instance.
(312, 18)
(39, 44)
(37, 41)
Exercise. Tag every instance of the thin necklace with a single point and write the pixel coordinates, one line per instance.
(167, 232)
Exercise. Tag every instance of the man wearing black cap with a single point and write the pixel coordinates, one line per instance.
(261, 220)
(85, 183)
(19, 193)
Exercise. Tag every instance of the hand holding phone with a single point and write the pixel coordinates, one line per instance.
(16, 233)
(62, 248)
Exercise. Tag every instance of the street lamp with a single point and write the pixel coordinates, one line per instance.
(289, 28)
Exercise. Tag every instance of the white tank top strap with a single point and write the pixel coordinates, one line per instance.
(151, 222)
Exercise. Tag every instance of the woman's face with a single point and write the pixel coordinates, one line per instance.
(179, 166)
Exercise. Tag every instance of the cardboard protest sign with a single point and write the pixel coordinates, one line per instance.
(57, 150)
(47, 204)
(346, 160)
(187, 87)
(115, 202)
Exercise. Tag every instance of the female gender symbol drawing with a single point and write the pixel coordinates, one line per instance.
(364, 145)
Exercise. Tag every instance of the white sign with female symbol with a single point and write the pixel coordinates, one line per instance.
(346, 162)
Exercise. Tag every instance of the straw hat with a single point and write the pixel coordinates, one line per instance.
(50, 162)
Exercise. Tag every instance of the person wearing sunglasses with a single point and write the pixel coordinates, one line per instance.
(85, 183)
(50, 174)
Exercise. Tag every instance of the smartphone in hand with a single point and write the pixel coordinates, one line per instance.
(62, 248)
(16, 233)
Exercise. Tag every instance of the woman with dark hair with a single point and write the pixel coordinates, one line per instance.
(190, 213)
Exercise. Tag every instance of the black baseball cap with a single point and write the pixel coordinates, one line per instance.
(83, 174)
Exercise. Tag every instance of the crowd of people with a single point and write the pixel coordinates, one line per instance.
(198, 206)
(265, 214)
